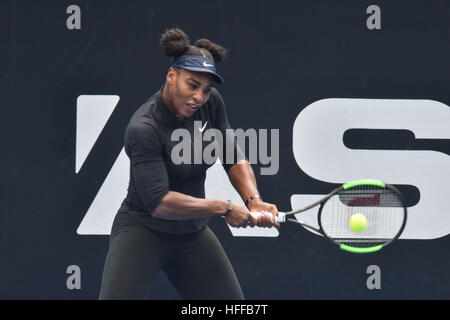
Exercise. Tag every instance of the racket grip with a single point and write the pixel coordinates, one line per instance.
(280, 218)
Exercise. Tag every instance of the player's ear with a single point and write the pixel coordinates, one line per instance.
(171, 75)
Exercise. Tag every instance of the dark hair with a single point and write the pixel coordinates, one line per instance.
(174, 43)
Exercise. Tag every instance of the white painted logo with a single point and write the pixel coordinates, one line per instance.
(319, 152)
(93, 113)
(207, 64)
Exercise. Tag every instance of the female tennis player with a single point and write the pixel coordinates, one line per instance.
(162, 223)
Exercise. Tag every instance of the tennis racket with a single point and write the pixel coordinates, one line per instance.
(382, 208)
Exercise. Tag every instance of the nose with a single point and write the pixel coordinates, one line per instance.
(199, 97)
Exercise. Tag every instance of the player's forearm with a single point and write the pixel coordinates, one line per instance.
(179, 206)
(243, 179)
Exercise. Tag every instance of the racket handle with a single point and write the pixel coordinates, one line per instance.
(280, 218)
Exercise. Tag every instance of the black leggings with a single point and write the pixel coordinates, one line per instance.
(195, 263)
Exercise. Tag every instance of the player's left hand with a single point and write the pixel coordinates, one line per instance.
(265, 220)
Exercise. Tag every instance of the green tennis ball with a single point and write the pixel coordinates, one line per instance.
(358, 222)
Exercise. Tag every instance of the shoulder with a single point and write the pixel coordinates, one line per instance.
(142, 137)
(145, 118)
(216, 103)
(143, 127)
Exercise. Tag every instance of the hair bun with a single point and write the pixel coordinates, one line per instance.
(218, 52)
(174, 42)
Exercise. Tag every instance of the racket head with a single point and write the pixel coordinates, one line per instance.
(381, 204)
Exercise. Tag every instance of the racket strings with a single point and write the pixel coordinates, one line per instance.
(382, 208)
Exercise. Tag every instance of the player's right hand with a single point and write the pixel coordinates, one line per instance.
(239, 217)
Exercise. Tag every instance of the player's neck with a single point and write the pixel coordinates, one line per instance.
(169, 104)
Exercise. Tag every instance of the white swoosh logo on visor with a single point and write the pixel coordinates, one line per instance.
(207, 64)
